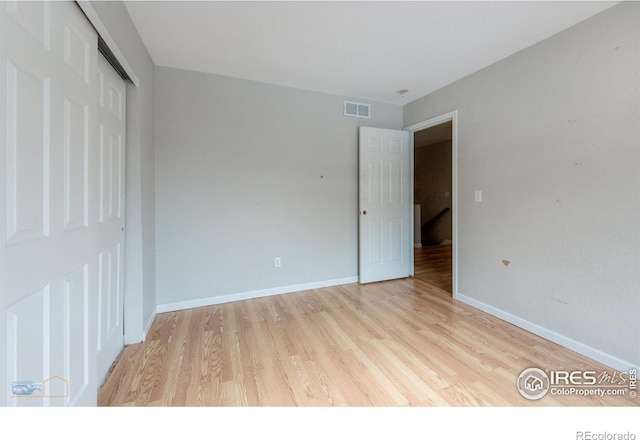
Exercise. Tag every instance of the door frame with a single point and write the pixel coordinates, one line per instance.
(437, 120)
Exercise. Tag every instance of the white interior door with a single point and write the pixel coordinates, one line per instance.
(110, 228)
(48, 205)
(385, 208)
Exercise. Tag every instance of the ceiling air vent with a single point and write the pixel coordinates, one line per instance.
(357, 109)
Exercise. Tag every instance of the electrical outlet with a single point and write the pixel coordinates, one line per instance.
(277, 262)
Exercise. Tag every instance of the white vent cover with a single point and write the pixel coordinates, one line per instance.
(357, 109)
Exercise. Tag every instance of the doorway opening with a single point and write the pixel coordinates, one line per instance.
(434, 179)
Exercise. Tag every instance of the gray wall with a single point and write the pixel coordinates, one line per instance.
(551, 136)
(140, 297)
(246, 172)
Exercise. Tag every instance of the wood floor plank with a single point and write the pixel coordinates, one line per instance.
(397, 343)
(434, 264)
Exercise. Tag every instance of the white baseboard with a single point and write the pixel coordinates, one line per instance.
(181, 305)
(147, 327)
(571, 344)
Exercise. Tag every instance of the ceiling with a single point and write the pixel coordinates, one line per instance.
(365, 49)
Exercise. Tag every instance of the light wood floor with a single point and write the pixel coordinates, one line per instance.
(395, 343)
(433, 265)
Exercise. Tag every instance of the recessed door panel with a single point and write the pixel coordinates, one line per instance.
(77, 50)
(395, 145)
(374, 144)
(28, 149)
(395, 234)
(76, 163)
(115, 286)
(116, 100)
(115, 176)
(110, 295)
(374, 183)
(34, 17)
(375, 238)
(395, 183)
(28, 347)
(76, 332)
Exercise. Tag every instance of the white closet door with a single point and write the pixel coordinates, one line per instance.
(110, 231)
(49, 205)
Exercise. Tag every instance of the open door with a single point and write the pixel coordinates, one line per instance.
(385, 206)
